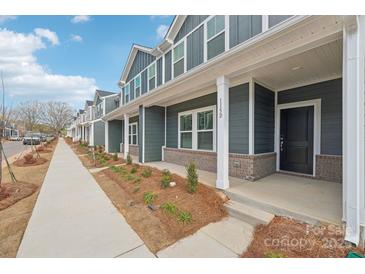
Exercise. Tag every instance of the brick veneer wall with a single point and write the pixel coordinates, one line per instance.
(329, 168)
(250, 167)
(133, 149)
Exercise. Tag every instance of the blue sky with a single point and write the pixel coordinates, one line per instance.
(66, 57)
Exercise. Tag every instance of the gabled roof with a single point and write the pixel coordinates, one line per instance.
(102, 93)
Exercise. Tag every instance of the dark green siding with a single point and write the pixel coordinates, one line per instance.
(140, 132)
(264, 119)
(131, 91)
(191, 22)
(115, 135)
(99, 133)
(141, 61)
(144, 81)
(238, 119)
(195, 48)
(110, 103)
(154, 133)
(331, 111)
(243, 27)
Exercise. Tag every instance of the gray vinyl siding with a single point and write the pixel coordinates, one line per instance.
(155, 130)
(216, 46)
(141, 61)
(131, 91)
(168, 66)
(115, 136)
(173, 113)
(144, 81)
(330, 93)
(195, 48)
(191, 22)
(264, 119)
(238, 119)
(110, 103)
(159, 72)
(276, 19)
(243, 27)
(140, 133)
(99, 133)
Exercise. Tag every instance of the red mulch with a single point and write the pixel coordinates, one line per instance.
(10, 193)
(36, 161)
(286, 237)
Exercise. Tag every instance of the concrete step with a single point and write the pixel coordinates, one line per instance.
(250, 215)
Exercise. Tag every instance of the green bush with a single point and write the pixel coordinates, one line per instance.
(133, 169)
(115, 157)
(115, 169)
(146, 172)
(166, 172)
(102, 162)
(192, 178)
(129, 159)
(169, 208)
(185, 217)
(165, 181)
(148, 197)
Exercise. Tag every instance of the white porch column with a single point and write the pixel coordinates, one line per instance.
(91, 134)
(251, 117)
(222, 132)
(106, 124)
(126, 135)
(353, 125)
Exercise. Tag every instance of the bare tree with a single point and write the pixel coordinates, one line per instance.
(57, 115)
(29, 114)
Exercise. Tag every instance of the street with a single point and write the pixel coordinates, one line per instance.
(12, 148)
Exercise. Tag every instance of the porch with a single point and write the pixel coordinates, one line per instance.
(305, 199)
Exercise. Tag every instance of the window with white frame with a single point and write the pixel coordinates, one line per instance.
(178, 57)
(126, 93)
(137, 86)
(215, 36)
(152, 76)
(133, 133)
(197, 129)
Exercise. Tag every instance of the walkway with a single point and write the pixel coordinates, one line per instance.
(74, 218)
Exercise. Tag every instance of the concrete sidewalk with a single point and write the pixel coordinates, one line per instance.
(74, 218)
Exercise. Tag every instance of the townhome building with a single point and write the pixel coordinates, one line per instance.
(248, 97)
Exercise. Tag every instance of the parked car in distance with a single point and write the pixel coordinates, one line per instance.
(32, 138)
(15, 138)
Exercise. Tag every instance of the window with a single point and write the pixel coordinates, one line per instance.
(126, 93)
(133, 134)
(186, 131)
(152, 76)
(215, 36)
(137, 86)
(178, 59)
(197, 129)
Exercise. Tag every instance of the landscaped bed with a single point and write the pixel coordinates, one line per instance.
(286, 237)
(101, 159)
(17, 202)
(159, 213)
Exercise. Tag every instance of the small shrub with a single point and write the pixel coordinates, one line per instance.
(166, 172)
(133, 169)
(185, 217)
(146, 172)
(115, 169)
(102, 162)
(169, 208)
(115, 157)
(274, 254)
(192, 178)
(165, 181)
(129, 159)
(131, 177)
(148, 197)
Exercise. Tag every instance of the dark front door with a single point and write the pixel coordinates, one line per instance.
(296, 139)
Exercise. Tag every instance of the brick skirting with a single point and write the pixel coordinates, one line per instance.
(133, 149)
(329, 168)
(249, 167)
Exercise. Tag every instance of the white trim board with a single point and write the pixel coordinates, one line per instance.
(316, 103)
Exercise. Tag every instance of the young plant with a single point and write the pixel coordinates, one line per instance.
(274, 254)
(136, 189)
(192, 178)
(129, 159)
(115, 157)
(148, 197)
(133, 169)
(146, 172)
(165, 181)
(185, 217)
(169, 208)
(115, 169)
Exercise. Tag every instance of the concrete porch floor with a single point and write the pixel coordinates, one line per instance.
(303, 198)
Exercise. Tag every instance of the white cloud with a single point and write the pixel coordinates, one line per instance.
(161, 31)
(80, 19)
(76, 38)
(4, 18)
(49, 35)
(26, 79)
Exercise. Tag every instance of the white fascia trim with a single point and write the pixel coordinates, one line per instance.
(143, 133)
(316, 103)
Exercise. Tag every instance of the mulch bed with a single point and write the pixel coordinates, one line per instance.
(22, 163)
(10, 193)
(157, 228)
(286, 237)
(89, 162)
